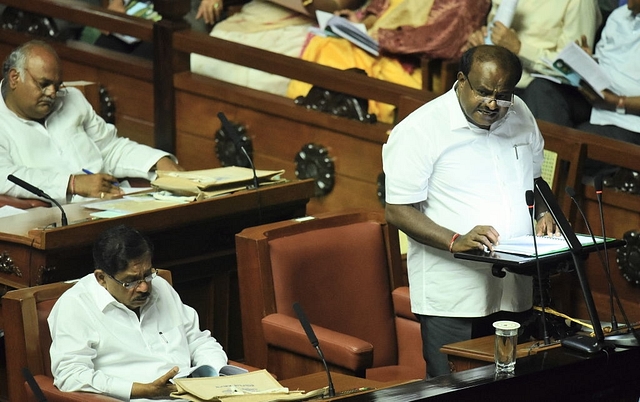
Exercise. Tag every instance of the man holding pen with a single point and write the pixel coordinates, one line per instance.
(50, 136)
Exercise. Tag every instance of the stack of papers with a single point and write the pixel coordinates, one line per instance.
(524, 245)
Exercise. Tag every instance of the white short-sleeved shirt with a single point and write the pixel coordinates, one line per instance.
(463, 176)
(618, 52)
(72, 138)
(100, 346)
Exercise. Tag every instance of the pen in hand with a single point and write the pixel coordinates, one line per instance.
(87, 171)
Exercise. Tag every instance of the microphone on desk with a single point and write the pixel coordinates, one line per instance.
(35, 190)
(530, 197)
(232, 132)
(597, 182)
(621, 339)
(314, 342)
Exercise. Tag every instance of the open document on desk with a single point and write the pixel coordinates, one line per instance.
(523, 245)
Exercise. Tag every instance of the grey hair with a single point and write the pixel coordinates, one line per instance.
(17, 59)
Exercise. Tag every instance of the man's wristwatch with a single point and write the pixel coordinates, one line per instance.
(620, 107)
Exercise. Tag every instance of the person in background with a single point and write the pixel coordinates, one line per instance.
(406, 31)
(122, 330)
(539, 31)
(457, 170)
(51, 137)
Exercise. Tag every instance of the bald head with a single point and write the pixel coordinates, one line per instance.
(32, 76)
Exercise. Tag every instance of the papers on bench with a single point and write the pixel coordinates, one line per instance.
(212, 182)
(354, 33)
(523, 245)
(255, 386)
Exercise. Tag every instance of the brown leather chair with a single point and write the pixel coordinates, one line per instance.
(28, 340)
(346, 272)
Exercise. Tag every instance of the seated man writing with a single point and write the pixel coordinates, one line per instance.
(50, 135)
(123, 331)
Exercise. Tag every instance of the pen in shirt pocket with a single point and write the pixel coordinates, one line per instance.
(87, 171)
(163, 337)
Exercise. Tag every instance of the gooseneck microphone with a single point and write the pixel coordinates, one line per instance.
(33, 385)
(597, 182)
(35, 190)
(529, 196)
(235, 137)
(314, 342)
(613, 294)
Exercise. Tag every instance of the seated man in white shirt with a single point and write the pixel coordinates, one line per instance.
(123, 331)
(50, 135)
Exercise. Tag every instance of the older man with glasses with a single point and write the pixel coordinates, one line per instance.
(457, 171)
(50, 135)
(122, 330)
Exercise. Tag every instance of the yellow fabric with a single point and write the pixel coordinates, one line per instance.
(412, 13)
(341, 54)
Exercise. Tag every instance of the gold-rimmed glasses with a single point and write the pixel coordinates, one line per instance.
(134, 284)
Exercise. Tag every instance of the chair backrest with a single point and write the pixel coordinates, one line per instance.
(28, 339)
(341, 267)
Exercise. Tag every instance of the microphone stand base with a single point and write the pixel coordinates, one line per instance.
(586, 344)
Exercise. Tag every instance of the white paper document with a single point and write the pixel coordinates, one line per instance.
(523, 245)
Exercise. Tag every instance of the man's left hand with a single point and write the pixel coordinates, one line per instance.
(546, 226)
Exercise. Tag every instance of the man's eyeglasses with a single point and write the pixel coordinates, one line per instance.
(58, 90)
(135, 284)
(500, 100)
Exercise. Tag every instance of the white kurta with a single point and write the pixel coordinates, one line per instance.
(463, 176)
(101, 346)
(72, 138)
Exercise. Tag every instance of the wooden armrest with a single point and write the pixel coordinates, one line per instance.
(339, 349)
(22, 203)
(53, 394)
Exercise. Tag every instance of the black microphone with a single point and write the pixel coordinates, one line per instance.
(235, 137)
(33, 385)
(597, 182)
(616, 339)
(35, 190)
(529, 196)
(314, 341)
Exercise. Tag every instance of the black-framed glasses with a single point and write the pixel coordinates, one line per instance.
(58, 90)
(134, 284)
(501, 102)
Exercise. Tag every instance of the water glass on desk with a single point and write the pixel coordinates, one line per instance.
(505, 346)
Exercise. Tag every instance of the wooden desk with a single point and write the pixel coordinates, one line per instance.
(196, 241)
(556, 374)
(478, 352)
(345, 385)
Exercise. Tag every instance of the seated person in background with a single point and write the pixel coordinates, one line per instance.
(615, 114)
(123, 331)
(203, 14)
(539, 31)
(263, 25)
(414, 28)
(50, 134)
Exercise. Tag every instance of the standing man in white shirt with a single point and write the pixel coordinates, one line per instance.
(457, 170)
(123, 331)
(50, 135)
